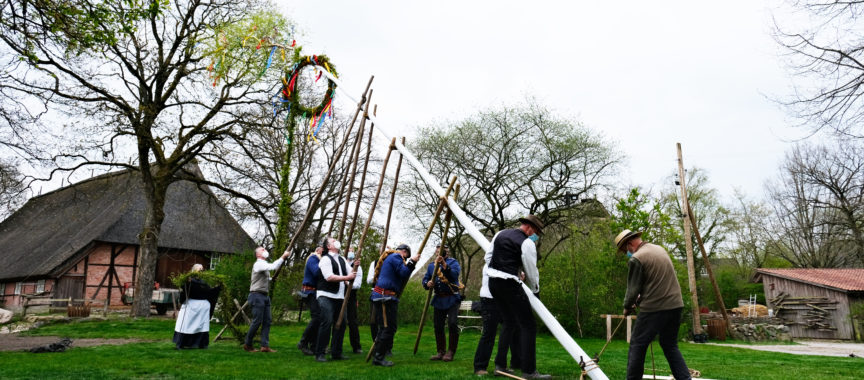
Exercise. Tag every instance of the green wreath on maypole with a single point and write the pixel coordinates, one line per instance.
(289, 97)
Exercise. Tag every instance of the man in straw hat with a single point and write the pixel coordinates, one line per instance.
(653, 286)
(513, 250)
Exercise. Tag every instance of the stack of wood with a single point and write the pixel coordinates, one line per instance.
(816, 314)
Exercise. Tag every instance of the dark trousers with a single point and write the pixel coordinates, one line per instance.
(310, 335)
(648, 325)
(261, 317)
(384, 342)
(373, 325)
(438, 318)
(353, 329)
(518, 318)
(491, 320)
(330, 308)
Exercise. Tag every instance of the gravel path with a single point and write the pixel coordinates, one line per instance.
(15, 342)
(807, 348)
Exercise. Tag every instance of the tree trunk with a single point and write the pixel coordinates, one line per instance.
(155, 190)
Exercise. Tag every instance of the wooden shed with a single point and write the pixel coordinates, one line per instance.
(815, 303)
(81, 241)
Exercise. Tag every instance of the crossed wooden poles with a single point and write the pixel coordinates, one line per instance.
(441, 204)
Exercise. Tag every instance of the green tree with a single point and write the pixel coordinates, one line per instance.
(151, 81)
(511, 160)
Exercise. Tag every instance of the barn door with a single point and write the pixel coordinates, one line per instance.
(69, 286)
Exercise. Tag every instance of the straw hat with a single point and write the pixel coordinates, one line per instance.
(624, 237)
(534, 222)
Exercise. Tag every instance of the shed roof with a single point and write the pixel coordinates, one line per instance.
(40, 238)
(850, 280)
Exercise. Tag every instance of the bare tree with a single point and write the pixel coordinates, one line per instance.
(820, 194)
(131, 80)
(511, 161)
(818, 201)
(749, 233)
(826, 60)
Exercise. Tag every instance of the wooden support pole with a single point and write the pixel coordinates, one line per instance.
(353, 159)
(688, 243)
(435, 267)
(707, 264)
(366, 228)
(392, 200)
(245, 317)
(230, 321)
(317, 197)
(362, 183)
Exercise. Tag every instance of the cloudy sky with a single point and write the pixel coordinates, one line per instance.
(645, 74)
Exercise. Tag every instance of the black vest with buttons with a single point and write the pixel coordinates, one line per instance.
(507, 251)
(332, 287)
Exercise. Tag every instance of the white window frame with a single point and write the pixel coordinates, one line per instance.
(18, 286)
(40, 286)
(215, 258)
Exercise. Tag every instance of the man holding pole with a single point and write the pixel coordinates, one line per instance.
(390, 276)
(259, 298)
(333, 277)
(445, 282)
(514, 250)
(310, 282)
(653, 286)
(353, 328)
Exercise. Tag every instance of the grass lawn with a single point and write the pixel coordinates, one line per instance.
(225, 359)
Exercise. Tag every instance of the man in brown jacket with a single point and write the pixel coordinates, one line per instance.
(653, 286)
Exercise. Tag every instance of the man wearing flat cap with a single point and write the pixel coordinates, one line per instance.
(653, 286)
(514, 251)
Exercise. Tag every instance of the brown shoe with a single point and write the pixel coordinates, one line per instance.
(481, 372)
(249, 348)
(438, 356)
(267, 349)
(448, 357)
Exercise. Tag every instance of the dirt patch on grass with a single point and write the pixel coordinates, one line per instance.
(15, 342)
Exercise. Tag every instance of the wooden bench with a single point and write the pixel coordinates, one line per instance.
(468, 315)
(609, 317)
(33, 301)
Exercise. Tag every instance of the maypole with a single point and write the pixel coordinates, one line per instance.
(570, 345)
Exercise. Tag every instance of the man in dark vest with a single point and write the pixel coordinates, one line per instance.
(391, 273)
(259, 298)
(333, 276)
(513, 250)
(445, 302)
(310, 283)
(653, 286)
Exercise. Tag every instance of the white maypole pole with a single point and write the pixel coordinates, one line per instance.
(552, 324)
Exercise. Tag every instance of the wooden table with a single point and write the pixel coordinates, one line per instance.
(609, 318)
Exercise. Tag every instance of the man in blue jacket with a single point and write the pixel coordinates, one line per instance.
(445, 282)
(310, 273)
(390, 277)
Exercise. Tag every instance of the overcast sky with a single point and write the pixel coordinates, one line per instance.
(645, 74)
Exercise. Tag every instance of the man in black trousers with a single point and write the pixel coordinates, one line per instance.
(653, 286)
(513, 250)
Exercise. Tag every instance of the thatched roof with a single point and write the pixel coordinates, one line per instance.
(43, 237)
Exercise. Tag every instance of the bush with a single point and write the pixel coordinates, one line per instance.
(586, 279)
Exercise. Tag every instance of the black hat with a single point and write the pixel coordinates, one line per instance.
(404, 247)
(534, 222)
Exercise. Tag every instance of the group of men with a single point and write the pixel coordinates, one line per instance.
(512, 261)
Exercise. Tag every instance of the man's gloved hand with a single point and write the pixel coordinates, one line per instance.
(628, 311)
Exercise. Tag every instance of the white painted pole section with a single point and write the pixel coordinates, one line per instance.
(552, 324)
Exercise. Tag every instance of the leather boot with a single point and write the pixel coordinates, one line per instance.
(437, 356)
(440, 343)
(454, 339)
(448, 357)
